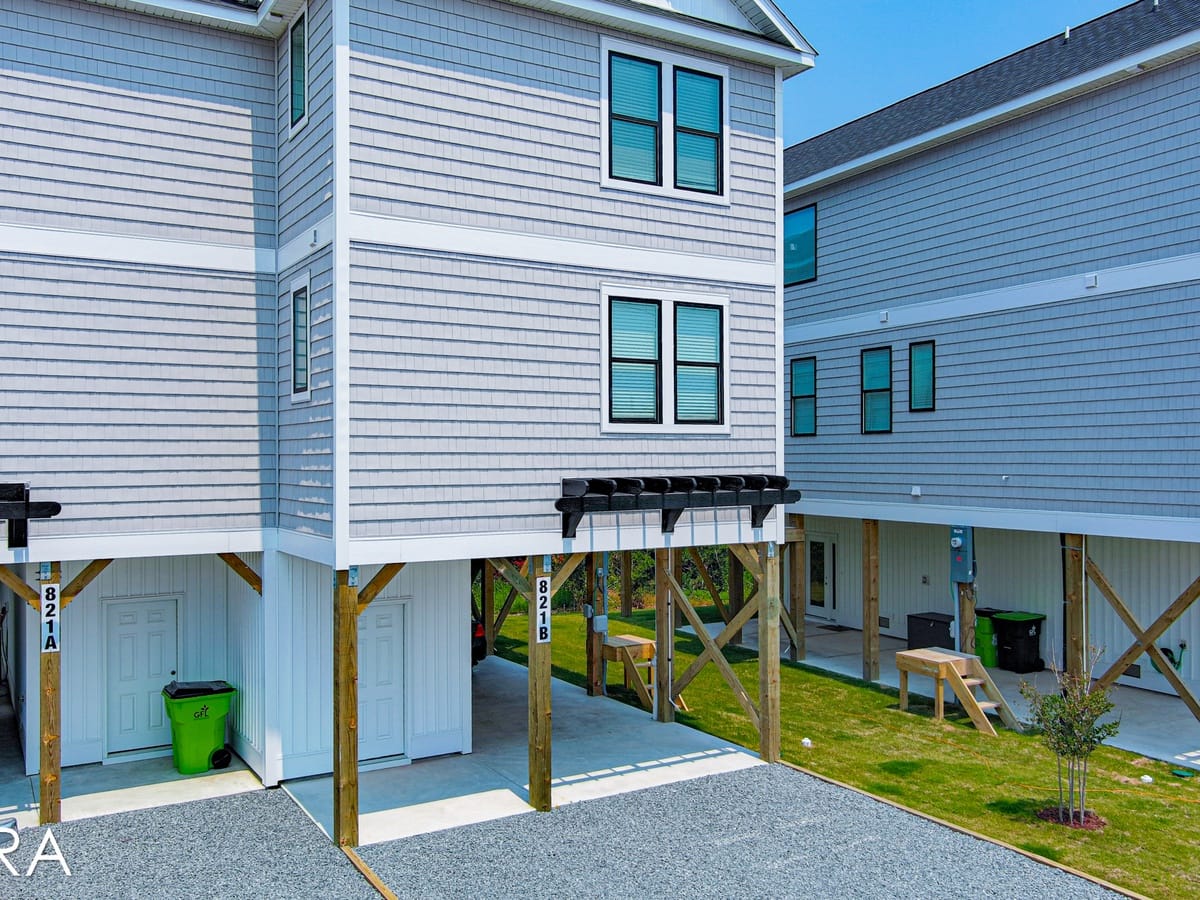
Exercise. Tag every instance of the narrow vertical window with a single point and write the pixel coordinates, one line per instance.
(698, 389)
(697, 131)
(877, 390)
(800, 246)
(635, 116)
(804, 396)
(634, 367)
(299, 69)
(301, 340)
(921, 377)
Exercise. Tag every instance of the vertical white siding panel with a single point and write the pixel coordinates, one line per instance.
(908, 553)
(245, 645)
(304, 654)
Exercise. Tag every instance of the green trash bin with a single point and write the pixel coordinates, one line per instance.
(197, 710)
(985, 637)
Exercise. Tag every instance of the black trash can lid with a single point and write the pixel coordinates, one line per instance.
(179, 690)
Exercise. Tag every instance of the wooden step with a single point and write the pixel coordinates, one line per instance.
(973, 682)
(985, 705)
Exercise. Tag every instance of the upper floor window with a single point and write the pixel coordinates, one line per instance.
(804, 396)
(665, 123)
(298, 69)
(800, 246)
(922, 393)
(665, 362)
(301, 336)
(877, 390)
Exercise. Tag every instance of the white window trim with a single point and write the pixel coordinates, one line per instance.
(298, 125)
(669, 62)
(667, 301)
(301, 282)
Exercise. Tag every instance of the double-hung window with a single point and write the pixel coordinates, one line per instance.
(665, 126)
(877, 390)
(301, 338)
(804, 396)
(665, 362)
(298, 71)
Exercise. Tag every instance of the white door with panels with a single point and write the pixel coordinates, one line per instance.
(142, 648)
(381, 680)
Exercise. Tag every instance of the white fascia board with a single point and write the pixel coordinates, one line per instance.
(1095, 283)
(681, 31)
(635, 531)
(134, 545)
(1126, 67)
(214, 15)
(1155, 528)
(418, 234)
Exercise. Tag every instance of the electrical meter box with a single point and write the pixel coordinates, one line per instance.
(962, 554)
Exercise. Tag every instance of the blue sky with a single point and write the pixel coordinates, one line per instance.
(875, 52)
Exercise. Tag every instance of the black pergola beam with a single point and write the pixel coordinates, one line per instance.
(16, 507)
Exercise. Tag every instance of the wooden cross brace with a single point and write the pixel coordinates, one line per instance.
(1146, 638)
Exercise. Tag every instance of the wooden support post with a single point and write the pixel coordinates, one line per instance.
(870, 599)
(736, 590)
(676, 571)
(966, 617)
(595, 639)
(626, 583)
(345, 711)
(796, 592)
(50, 757)
(664, 637)
(768, 654)
(539, 695)
(487, 599)
(1075, 647)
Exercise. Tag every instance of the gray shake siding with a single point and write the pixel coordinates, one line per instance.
(306, 427)
(132, 394)
(488, 114)
(1087, 406)
(128, 124)
(1106, 179)
(306, 168)
(476, 387)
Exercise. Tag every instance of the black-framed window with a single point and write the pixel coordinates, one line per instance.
(298, 69)
(922, 377)
(698, 129)
(698, 364)
(800, 246)
(635, 119)
(301, 340)
(876, 379)
(635, 361)
(804, 396)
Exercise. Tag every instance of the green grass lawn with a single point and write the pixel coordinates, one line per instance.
(992, 785)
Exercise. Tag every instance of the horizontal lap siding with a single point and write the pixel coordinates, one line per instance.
(306, 157)
(137, 396)
(1087, 406)
(476, 388)
(488, 115)
(306, 428)
(1103, 180)
(122, 123)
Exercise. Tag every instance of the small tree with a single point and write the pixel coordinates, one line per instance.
(1070, 724)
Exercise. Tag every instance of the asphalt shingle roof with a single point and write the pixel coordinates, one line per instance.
(1092, 45)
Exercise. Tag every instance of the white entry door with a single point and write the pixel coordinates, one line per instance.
(141, 660)
(381, 680)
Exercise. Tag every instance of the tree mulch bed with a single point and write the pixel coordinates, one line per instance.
(1091, 821)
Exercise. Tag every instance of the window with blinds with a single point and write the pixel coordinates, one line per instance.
(697, 364)
(804, 396)
(921, 377)
(697, 131)
(301, 340)
(877, 390)
(635, 116)
(298, 64)
(800, 246)
(634, 371)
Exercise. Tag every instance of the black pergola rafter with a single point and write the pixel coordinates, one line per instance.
(16, 507)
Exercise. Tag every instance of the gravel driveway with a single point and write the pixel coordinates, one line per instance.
(767, 831)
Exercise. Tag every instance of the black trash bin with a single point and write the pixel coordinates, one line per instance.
(1019, 641)
(929, 629)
